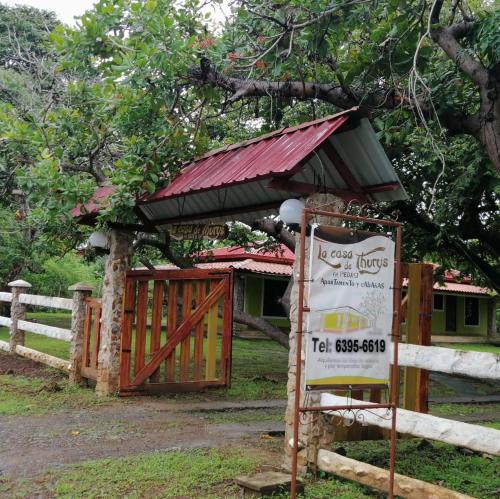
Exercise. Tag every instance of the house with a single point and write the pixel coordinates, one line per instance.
(460, 308)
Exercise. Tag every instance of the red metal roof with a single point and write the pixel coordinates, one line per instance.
(283, 255)
(247, 265)
(457, 287)
(97, 201)
(276, 153)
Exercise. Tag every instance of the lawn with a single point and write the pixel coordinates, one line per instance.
(474, 347)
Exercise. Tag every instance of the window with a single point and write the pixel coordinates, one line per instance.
(471, 312)
(273, 291)
(438, 302)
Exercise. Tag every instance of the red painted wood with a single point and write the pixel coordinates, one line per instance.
(156, 318)
(86, 335)
(171, 327)
(186, 342)
(198, 336)
(126, 332)
(426, 287)
(140, 326)
(227, 332)
(96, 336)
(180, 333)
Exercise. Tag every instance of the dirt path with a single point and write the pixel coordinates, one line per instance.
(29, 444)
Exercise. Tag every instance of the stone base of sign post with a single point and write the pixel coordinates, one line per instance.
(80, 291)
(315, 430)
(17, 313)
(117, 264)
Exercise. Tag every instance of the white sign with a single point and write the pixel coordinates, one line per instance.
(351, 308)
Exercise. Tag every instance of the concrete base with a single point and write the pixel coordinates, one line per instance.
(266, 483)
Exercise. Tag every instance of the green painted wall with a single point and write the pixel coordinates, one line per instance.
(253, 301)
(438, 321)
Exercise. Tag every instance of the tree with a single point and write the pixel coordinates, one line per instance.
(147, 85)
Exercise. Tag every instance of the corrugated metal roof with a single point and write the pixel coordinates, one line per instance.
(247, 265)
(282, 255)
(457, 287)
(97, 201)
(340, 153)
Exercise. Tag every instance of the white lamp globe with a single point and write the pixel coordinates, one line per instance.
(291, 211)
(98, 239)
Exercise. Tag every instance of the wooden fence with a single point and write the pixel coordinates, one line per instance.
(18, 325)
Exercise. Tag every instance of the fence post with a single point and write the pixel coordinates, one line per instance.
(17, 313)
(80, 291)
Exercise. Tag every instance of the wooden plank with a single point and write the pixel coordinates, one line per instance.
(425, 333)
(187, 304)
(140, 326)
(89, 373)
(7, 297)
(213, 317)
(86, 334)
(227, 331)
(171, 327)
(480, 365)
(180, 333)
(475, 437)
(126, 332)
(43, 358)
(198, 335)
(46, 301)
(188, 386)
(157, 315)
(42, 329)
(179, 275)
(378, 478)
(96, 329)
(4, 345)
(412, 375)
(5, 321)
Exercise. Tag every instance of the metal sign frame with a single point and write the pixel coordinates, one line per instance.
(307, 213)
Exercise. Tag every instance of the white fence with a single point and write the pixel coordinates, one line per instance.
(18, 324)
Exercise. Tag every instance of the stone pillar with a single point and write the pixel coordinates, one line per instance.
(117, 264)
(314, 429)
(17, 313)
(80, 291)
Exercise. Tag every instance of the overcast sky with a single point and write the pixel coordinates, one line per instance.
(66, 10)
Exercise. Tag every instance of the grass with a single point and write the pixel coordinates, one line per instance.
(463, 409)
(210, 473)
(434, 462)
(190, 473)
(474, 347)
(57, 348)
(20, 395)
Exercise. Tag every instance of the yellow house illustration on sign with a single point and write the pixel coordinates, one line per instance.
(343, 320)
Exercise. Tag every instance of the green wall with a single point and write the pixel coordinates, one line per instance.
(438, 322)
(253, 300)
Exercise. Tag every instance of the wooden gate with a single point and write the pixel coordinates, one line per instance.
(176, 330)
(91, 338)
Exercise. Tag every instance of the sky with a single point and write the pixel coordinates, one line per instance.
(66, 10)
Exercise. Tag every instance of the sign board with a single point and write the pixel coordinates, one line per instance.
(198, 231)
(350, 297)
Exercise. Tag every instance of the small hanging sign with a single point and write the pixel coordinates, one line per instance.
(199, 231)
(351, 308)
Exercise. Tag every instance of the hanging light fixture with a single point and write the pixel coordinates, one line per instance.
(98, 239)
(291, 212)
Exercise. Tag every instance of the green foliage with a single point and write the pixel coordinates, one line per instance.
(58, 273)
